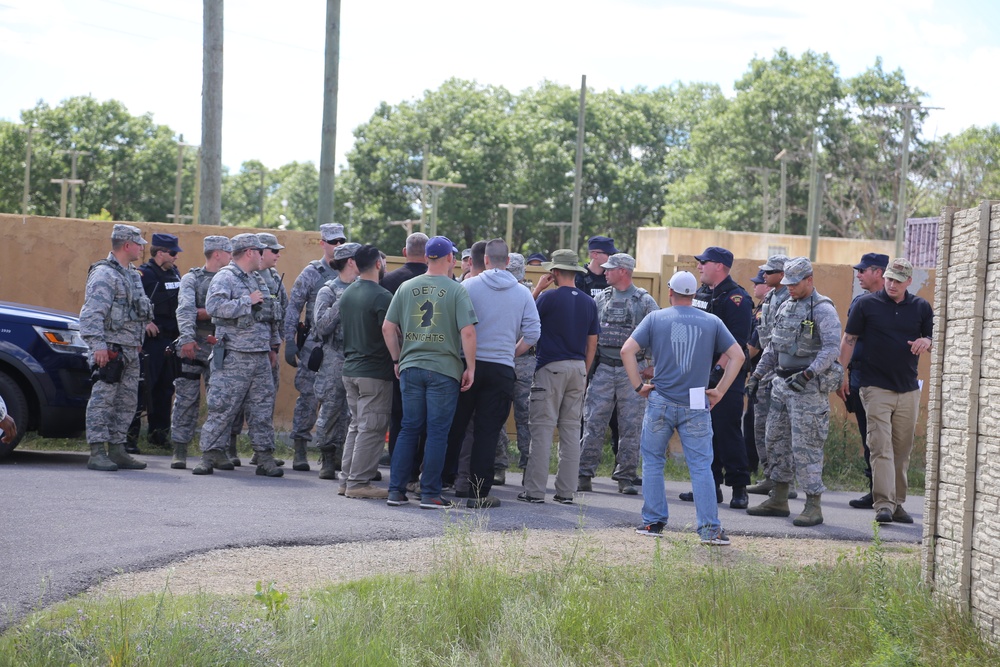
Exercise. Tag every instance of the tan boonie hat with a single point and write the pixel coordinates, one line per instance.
(127, 233)
(212, 243)
(564, 259)
(899, 270)
(796, 269)
(619, 260)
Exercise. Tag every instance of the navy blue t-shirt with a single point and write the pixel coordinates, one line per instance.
(568, 317)
(886, 359)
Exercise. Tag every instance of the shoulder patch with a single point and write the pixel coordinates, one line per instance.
(736, 299)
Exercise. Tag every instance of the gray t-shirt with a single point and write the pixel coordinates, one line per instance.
(684, 341)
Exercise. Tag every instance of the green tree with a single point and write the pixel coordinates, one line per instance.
(970, 169)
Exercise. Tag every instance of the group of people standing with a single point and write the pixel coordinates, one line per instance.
(439, 362)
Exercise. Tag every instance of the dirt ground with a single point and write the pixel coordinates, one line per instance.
(298, 569)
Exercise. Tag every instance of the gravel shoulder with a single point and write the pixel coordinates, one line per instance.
(298, 569)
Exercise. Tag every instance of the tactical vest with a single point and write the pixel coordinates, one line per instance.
(259, 312)
(795, 336)
(202, 279)
(768, 312)
(620, 316)
(273, 310)
(325, 275)
(135, 307)
(336, 339)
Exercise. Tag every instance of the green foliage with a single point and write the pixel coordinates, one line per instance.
(274, 601)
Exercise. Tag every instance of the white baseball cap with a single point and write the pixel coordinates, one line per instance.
(684, 283)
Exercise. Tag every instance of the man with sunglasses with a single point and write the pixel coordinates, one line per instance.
(162, 284)
(298, 343)
(112, 322)
(870, 272)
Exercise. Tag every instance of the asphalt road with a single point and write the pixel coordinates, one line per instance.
(66, 527)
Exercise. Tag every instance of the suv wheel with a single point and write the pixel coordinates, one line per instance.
(17, 408)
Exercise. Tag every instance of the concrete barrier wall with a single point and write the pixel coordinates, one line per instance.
(962, 503)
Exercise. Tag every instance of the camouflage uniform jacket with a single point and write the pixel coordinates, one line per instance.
(326, 313)
(115, 307)
(806, 334)
(242, 326)
(279, 299)
(304, 291)
(193, 293)
(768, 311)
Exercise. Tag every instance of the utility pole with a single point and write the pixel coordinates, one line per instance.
(423, 189)
(578, 180)
(180, 172)
(904, 168)
(765, 225)
(74, 154)
(437, 187)
(211, 115)
(405, 224)
(562, 230)
(65, 183)
(510, 219)
(196, 208)
(328, 150)
(813, 196)
(27, 170)
(781, 157)
(350, 219)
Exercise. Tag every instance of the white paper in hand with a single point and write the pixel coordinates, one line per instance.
(697, 395)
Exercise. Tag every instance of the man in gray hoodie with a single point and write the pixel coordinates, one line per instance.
(508, 326)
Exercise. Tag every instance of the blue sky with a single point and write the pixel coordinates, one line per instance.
(147, 54)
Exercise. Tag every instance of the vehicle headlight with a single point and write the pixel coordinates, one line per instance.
(63, 340)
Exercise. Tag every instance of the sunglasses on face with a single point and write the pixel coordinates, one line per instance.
(771, 273)
(260, 251)
(273, 252)
(336, 242)
(172, 253)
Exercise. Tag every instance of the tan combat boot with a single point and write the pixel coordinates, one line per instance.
(812, 515)
(99, 459)
(122, 459)
(775, 505)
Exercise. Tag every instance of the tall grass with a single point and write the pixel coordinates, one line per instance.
(684, 606)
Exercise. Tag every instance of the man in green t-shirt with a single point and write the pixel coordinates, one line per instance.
(429, 322)
(367, 374)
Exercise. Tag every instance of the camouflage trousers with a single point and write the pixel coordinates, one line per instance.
(237, 424)
(246, 384)
(797, 426)
(760, 411)
(334, 414)
(111, 406)
(306, 405)
(524, 371)
(187, 403)
(608, 388)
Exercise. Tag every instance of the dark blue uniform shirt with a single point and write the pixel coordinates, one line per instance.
(733, 305)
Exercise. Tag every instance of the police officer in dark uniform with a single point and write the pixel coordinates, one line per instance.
(721, 296)
(593, 281)
(162, 283)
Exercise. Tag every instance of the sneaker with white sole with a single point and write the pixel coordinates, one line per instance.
(717, 539)
(563, 500)
(396, 499)
(654, 529)
(435, 504)
(524, 497)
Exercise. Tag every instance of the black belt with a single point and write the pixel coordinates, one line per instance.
(609, 361)
(785, 373)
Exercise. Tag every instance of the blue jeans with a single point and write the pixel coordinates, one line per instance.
(695, 429)
(429, 401)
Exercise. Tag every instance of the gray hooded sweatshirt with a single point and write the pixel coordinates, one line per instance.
(506, 313)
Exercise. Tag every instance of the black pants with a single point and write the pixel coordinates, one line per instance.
(160, 378)
(488, 401)
(855, 405)
(727, 441)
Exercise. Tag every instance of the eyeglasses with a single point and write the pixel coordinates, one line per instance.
(771, 273)
(260, 251)
(172, 253)
(336, 242)
(273, 251)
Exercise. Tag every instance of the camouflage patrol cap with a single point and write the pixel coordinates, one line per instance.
(270, 241)
(515, 265)
(346, 250)
(774, 263)
(127, 233)
(900, 270)
(332, 231)
(619, 260)
(796, 269)
(212, 243)
(247, 241)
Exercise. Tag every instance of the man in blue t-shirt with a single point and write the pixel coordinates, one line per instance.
(565, 351)
(685, 341)
(896, 327)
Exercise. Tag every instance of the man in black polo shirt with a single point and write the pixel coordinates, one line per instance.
(896, 327)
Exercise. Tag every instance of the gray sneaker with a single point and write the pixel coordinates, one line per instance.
(717, 539)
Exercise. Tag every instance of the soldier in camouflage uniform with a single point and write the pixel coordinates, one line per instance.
(243, 359)
(303, 296)
(114, 315)
(524, 371)
(774, 271)
(620, 307)
(802, 353)
(275, 286)
(194, 345)
(334, 417)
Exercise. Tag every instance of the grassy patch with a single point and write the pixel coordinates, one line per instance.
(685, 605)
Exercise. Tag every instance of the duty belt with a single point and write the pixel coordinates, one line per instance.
(786, 373)
(610, 361)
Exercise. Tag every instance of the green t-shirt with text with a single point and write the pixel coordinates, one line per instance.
(431, 311)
